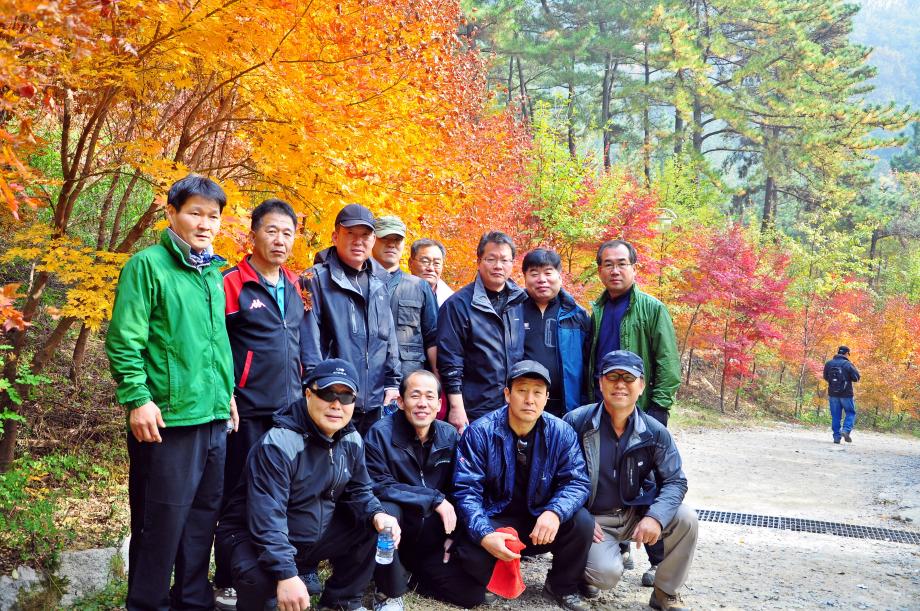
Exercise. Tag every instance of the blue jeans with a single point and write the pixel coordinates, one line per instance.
(839, 405)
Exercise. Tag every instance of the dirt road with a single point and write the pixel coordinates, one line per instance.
(787, 471)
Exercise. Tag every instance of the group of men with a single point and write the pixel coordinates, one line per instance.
(290, 419)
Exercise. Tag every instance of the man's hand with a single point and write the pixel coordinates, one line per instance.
(647, 531)
(382, 520)
(293, 595)
(234, 414)
(448, 516)
(494, 543)
(598, 533)
(456, 412)
(146, 421)
(545, 528)
(390, 395)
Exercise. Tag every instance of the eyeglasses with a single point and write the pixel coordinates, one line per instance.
(620, 265)
(615, 377)
(426, 262)
(328, 395)
(490, 261)
(521, 457)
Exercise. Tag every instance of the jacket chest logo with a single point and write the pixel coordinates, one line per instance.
(256, 304)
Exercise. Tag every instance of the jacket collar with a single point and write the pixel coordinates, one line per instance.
(481, 301)
(604, 297)
(180, 249)
(640, 430)
(249, 274)
(404, 433)
(378, 275)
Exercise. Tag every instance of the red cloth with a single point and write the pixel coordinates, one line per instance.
(506, 580)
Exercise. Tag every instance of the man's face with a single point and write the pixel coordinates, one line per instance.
(197, 222)
(329, 416)
(273, 240)
(618, 393)
(495, 265)
(353, 244)
(615, 271)
(388, 250)
(526, 399)
(543, 283)
(421, 402)
(428, 263)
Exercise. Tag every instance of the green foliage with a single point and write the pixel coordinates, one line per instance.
(908, 160)
(25, 378)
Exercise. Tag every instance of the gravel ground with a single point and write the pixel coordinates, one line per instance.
(788, 471)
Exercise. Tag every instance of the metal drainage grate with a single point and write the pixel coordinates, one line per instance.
(809, 526)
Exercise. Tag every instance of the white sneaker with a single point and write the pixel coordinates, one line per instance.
(387, 604)
(225, 599)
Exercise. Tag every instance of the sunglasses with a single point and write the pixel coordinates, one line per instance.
(345, 398)
(613, 376)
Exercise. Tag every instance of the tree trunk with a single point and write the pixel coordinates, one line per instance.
(570, 114)
(689, 367)
(79, 352)
(769, 205)
(646, 123)
(606, 88)
(678, 132)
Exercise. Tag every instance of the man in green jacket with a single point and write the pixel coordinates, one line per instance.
(170, 356)
(625, 318)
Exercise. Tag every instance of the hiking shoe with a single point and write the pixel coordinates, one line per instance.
(490, 598)
(225, 599)
(628, 563)
(572, 602)
(846, 437)
(382, 603)
(666, 602)
(314, 585)
(836, 440)
(588, 591)
(648, 577)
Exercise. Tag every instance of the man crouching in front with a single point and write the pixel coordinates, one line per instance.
(305, 496)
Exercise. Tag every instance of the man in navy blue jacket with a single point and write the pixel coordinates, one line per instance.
(305, 497)
(840, 373)
(522, 468)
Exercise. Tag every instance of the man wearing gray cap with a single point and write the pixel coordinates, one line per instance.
(624, 448)
(352, 308)
(415, 311)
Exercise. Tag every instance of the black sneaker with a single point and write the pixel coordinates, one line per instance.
(572, 602)
(836, 440)
(846, 436)
(648, 577)
(588, 592)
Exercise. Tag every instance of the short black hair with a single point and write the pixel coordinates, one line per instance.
(494, 237)
(404, 385)
(195, 184)
(425, 243)
(633, 256)
(272, 205)
(541, 257)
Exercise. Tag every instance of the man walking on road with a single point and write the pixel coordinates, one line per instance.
(840, 373)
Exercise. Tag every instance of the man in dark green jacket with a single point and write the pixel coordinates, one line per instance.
(170, 356)
(625, 318)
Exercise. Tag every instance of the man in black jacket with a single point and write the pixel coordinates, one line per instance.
(840, 373)
(481, 334)
(410, 458)
(305, 497)
(270, 333)
(349, 298)
(623, 446)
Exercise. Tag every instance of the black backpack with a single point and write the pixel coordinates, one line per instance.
(837, 379)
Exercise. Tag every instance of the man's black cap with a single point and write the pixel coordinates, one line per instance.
(528, 369)
(333, 371)
(353, 215)
(622, 360)
(843, 350)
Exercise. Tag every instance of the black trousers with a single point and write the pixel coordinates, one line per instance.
(363, 421)
(174, 491)
(466, 587)
(348, 547)
(420, 548)
(239, 443)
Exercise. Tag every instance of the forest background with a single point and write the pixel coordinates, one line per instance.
(761, 155)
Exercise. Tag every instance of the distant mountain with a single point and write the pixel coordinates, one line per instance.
(892, 28)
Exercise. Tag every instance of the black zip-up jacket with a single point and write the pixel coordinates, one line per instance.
(356, 328)
(294, 480)
(477, 346)
(392, 464)
(850, 375)
(650, 450)
(271, 354)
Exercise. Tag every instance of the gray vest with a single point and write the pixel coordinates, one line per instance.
(406, 302)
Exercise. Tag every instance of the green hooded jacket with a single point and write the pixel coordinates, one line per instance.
(647, 330)
(167, 341)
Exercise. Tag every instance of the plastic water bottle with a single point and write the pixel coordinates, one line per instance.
(385, 546)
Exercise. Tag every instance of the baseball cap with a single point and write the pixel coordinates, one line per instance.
(353, 215)
(389, 225)
(529, 369)
(624, 360)
(333, 371)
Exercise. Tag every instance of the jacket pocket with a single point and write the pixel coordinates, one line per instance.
(172, 372)
(246, 366)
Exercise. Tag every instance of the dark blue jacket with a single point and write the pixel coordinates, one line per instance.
(484, 476)
(295, 479)
(392, 464)
(357, 329)
(650, 451)
(271, 353)
(477, 347)
(573, 337)
(840, 364)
